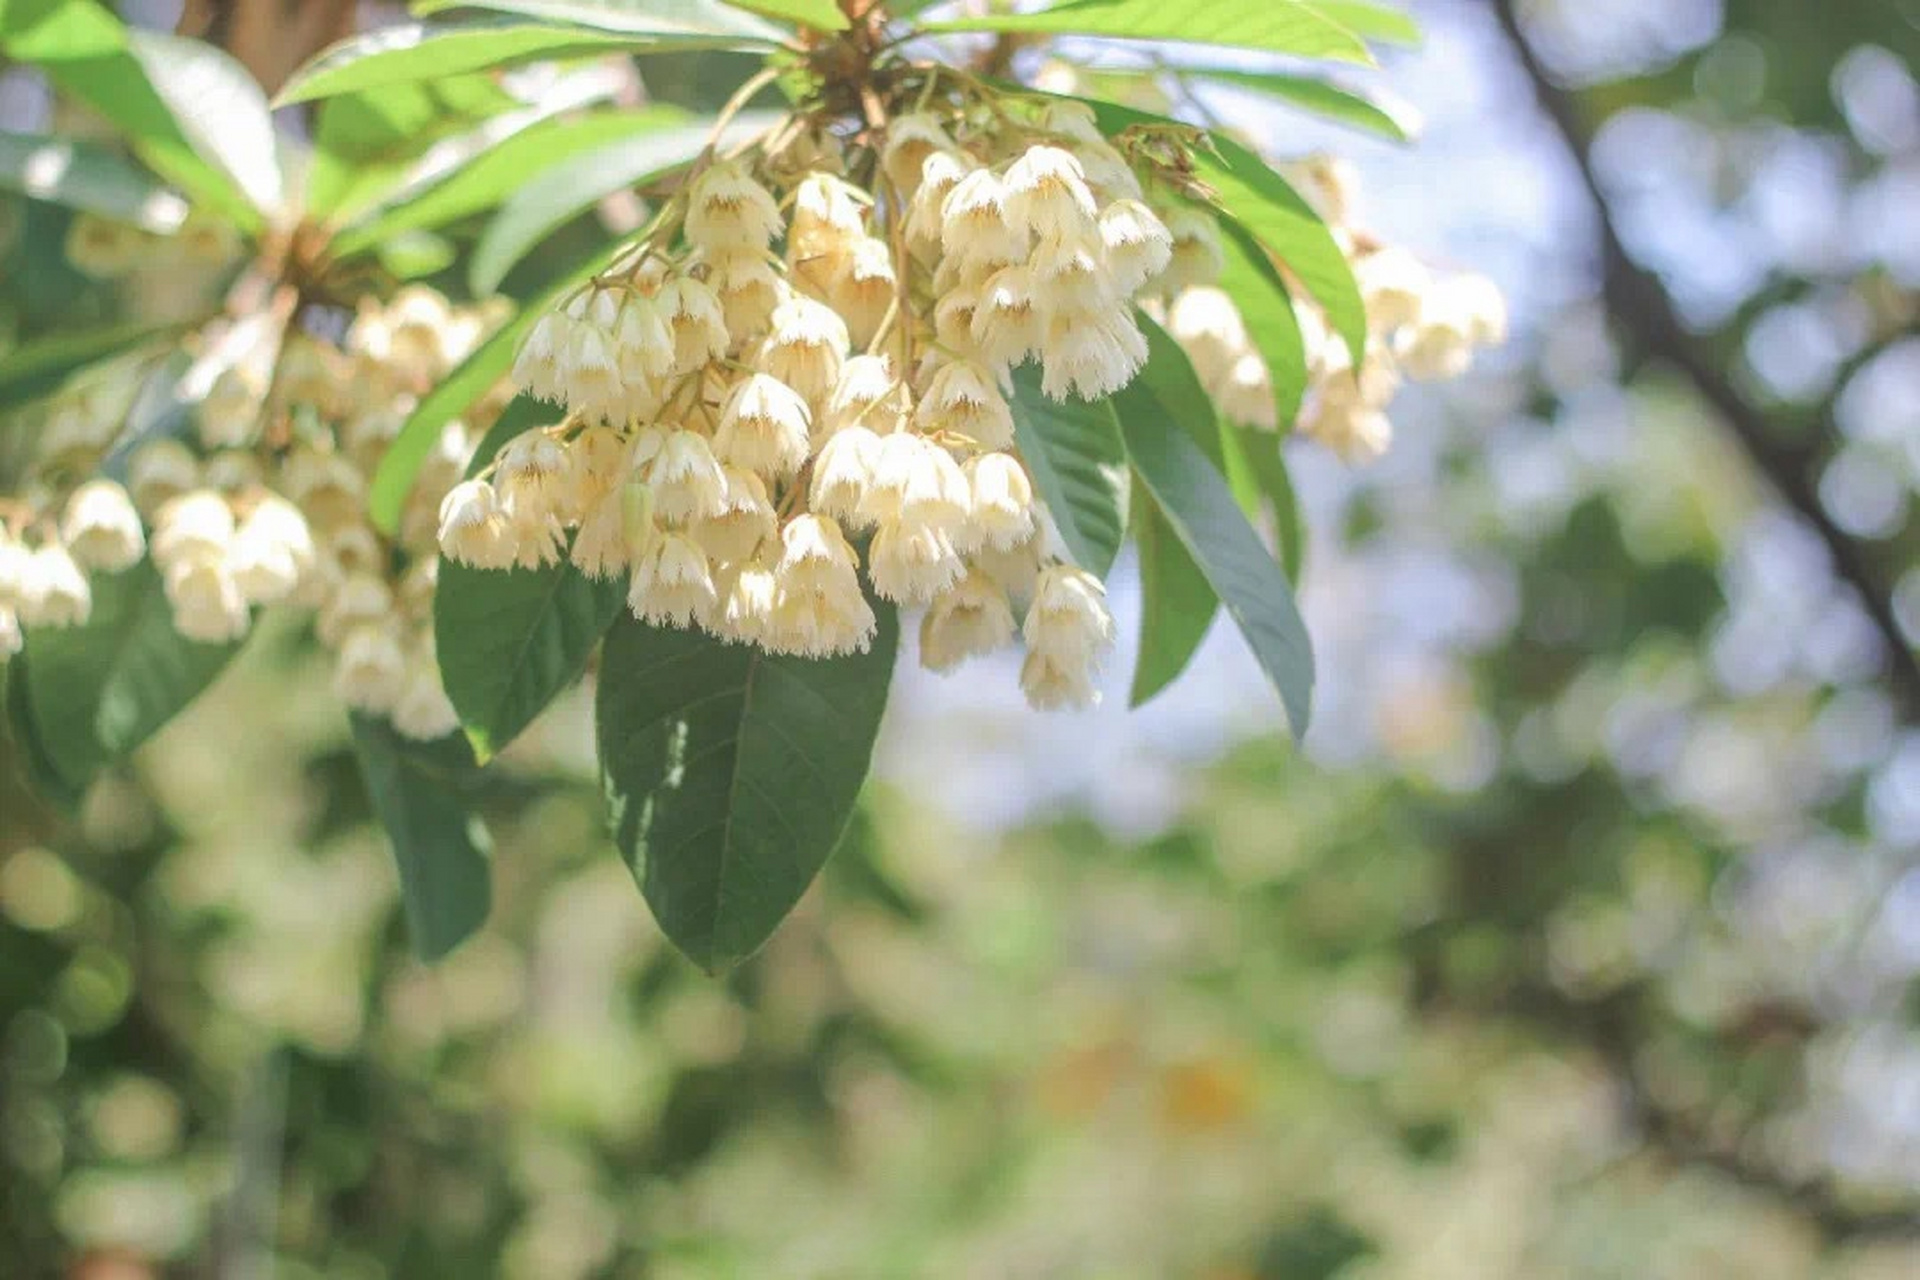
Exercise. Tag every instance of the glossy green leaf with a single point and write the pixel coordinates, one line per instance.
(368, 144)
(1201, 510)
(38, 368)
(220, 108)
(510, 642)
(1073, 451)
(1177, 605)
(682, 18)
(420, 790)
(490, 176)
(822, 15)
(1275, 480)
(94, 693)
(1266, 305)
(415, 51)
(570, 188)
(83, 176)
(1262, 202)
(731, 773)
(1272, 26)
(1329, 101)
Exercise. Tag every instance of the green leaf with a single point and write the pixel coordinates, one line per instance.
(1273, 26)
(83, 176)
(220, 109)
(822, 15)
(1374, 21)
(1318, 96)
(415, 51)
(1269, 464)
(38, 368)
(683, 18)
(486, 178)
(1073, 451)
(1257, 289)
(420, 792)
(1169, 391)
(94, 693)
(573, 186)
(411, 255)
(1201, 510)
(731, 774)
(85, 52)
(510, 642)
(1176, 608)
(1271, 211)
(368, 144)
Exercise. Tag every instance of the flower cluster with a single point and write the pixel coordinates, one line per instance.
(264, 501)
(797, 399)
(1421, 325)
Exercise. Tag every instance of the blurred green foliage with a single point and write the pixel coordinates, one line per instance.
(1595, 966)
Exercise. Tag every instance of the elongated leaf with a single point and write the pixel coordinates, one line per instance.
(84, 51)
(415, 51)
(220, 109)
(369, 145)
(82, 176)
(94, 693)
(493, 174)
(710, 18)
(1177, 604)
(1074, 453)
(1318, 96)
(1374, 21)
(510, 642)
(1276, 490)
(731, 774)
(1201, 510)
(1262, 202)
(822, 15)
(1266, 305)
(38, 368)
(1275, 26)
(570, 188)
(420, 792)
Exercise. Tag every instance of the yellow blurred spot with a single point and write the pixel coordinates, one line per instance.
(1205, 1094)
(38, 893)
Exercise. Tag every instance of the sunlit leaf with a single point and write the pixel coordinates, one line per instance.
(1329, 101)
(220, 107)
(490, 176)
(414, 51)
(822, 15)
(684, 18)
(1273, 26)
(1276, 215)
